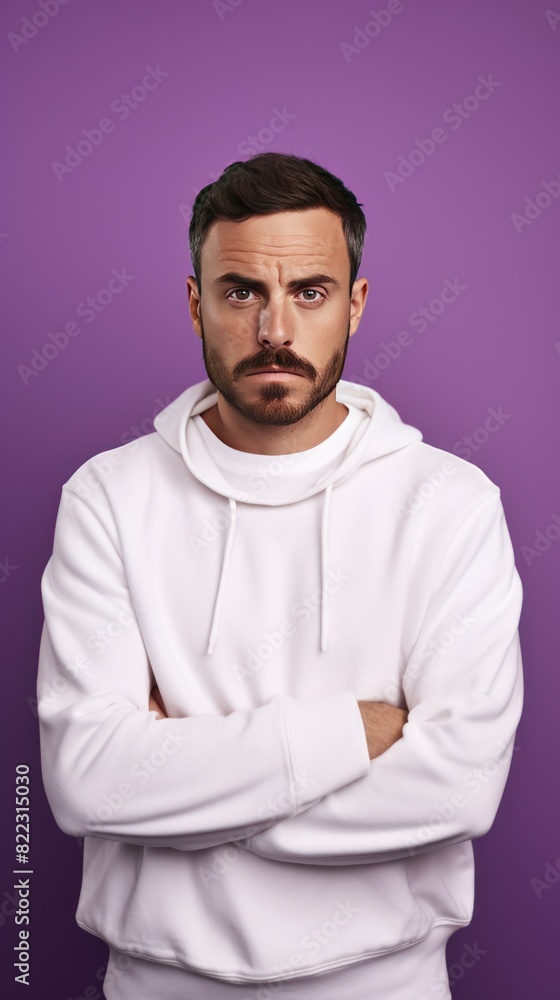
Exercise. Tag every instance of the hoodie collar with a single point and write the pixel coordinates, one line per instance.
(380, 433)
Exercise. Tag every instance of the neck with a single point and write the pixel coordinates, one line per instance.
(238, 432)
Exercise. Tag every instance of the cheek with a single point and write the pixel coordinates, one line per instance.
(229, 324)
(325, 335)
(229, 342)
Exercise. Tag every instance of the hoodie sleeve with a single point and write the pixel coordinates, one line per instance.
(442, 782)
(113, 769)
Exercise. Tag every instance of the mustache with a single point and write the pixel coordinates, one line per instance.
(283, 359)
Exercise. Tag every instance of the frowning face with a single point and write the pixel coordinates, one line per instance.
(275, 295)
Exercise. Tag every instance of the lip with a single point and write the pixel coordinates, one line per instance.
(277, 373)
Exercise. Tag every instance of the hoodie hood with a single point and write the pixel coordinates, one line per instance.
(380, 434)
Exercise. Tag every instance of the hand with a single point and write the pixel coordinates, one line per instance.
(156, 703)
(383, 724)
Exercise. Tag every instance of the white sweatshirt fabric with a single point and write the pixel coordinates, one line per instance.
(248, 837)
(277, 477)
(418, 972)
(402, 975)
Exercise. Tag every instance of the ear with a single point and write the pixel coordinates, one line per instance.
(357, 303)
(194, 304)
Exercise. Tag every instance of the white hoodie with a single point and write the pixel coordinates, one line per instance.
(218, 840)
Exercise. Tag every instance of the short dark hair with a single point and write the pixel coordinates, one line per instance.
(275, 182)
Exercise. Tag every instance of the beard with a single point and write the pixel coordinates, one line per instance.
(273, 405)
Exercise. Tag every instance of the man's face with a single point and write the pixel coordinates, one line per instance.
(252, 315)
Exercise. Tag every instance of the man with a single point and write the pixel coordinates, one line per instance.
(280, 672)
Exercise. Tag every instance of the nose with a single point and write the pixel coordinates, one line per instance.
(274, 326)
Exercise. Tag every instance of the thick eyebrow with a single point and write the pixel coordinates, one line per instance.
(232, 277)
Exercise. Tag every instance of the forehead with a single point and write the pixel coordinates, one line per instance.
(310, 237)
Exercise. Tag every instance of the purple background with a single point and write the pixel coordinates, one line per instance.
(127, 205)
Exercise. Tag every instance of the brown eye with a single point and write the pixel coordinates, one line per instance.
(235, 291)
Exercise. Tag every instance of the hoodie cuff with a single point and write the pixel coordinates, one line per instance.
(328, 743)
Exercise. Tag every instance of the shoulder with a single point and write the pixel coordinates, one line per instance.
(121, 470)
(442, 487)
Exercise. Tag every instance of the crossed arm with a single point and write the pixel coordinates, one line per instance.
(408, 782)
(383, 723)
(438, 770)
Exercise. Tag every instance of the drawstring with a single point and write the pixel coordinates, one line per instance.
(225, 567)
(324, 595)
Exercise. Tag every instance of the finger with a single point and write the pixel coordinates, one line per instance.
(154, 706)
